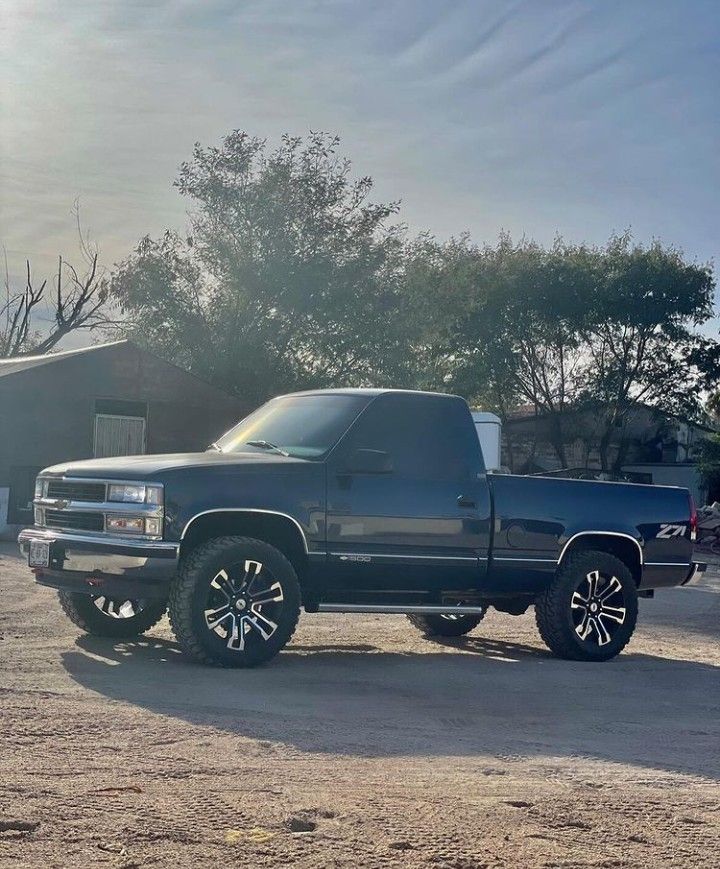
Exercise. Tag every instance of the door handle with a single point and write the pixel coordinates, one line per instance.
(464, 501)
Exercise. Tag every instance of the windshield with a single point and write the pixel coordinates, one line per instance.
(304, 426)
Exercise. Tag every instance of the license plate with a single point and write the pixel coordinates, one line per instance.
(39, 554)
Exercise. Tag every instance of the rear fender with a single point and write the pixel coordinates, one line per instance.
(622, 544)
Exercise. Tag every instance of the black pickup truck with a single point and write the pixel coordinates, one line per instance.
(350, 500)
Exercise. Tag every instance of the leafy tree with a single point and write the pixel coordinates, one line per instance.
(712, 406)
(642, 333)
(504, 324)
(570, 326)
(288, 276)
(708, 464)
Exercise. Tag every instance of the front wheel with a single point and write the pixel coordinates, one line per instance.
(234, 603)
(111, 617)
(589, 610)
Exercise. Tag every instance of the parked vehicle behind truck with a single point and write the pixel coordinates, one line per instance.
(350, 501)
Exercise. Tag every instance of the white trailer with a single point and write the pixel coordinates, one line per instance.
(489, 429)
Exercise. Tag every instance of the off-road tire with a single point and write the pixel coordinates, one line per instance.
(554, 613)
(437, 626)
(82, 611)
(188, 601)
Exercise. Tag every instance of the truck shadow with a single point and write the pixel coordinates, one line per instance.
(462, 698)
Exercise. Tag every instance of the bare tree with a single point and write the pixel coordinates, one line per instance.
(35, 319)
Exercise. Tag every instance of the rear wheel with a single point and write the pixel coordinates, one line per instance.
(235, 602)
(446, 624)
(589, 611)
(111, 617)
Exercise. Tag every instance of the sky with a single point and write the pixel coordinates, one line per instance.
(538, 117)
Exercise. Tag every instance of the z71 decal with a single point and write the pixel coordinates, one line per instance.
(671, 531)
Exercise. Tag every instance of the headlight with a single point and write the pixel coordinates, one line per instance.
(135, 494)
(40, 487)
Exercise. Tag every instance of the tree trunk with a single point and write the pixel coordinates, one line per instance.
(604, 446)
(621, 456)
(509, 448)
(557, 439)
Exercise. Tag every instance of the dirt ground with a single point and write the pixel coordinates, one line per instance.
(362, 745)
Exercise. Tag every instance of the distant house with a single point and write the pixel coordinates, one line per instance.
(111, 399)
(648, 447)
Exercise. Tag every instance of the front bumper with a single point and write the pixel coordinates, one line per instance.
(697, 568)
(98, 565)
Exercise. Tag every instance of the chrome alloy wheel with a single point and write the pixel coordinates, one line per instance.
(118, 609)
(598, 608)
(241, 599)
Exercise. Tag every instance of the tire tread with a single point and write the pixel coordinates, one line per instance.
(180, 602)
(550, 608)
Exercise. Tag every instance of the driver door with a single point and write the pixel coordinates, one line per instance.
(421, 522)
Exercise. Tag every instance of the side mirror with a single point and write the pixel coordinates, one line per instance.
(368, 462)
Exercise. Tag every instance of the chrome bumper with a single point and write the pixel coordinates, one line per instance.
(696, 571)
(95, 564)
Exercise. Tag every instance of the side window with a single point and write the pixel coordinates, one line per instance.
(427, 438)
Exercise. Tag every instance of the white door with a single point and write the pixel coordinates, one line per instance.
(119, 435)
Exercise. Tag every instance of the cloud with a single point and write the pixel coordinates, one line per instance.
(577, 117)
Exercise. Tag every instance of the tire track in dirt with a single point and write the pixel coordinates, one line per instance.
(362, 745)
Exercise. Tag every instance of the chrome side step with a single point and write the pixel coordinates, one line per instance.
(410, 609)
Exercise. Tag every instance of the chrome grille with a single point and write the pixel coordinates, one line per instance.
(75, 520)
(76, 491)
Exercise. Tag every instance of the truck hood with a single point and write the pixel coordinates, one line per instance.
(147, 467)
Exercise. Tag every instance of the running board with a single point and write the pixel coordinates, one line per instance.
(410, 609)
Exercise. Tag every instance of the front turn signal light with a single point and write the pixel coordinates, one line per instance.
(125, 524)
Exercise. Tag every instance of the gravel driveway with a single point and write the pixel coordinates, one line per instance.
(362, 745)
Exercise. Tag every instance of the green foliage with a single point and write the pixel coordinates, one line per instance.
(289, 277)
(708, 462)
(712, 406)
(572, 325)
